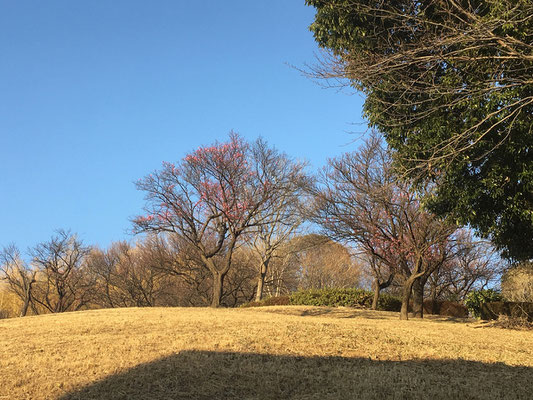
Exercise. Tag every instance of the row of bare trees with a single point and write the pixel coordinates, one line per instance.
(224, 226)
(63, 274)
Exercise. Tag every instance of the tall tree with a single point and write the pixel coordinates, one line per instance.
(282, 215)
(212, 198)
(449, 83)
(359, 200)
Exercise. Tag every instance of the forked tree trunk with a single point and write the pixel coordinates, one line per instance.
(377, 287)
(406, 296)
(28, 283)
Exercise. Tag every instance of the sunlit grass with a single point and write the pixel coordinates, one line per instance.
(259, 353)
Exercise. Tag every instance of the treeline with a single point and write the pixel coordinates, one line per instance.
(224, 226)
(161, 270)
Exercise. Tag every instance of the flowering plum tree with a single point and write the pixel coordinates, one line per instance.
(211, 198)
(360, 200)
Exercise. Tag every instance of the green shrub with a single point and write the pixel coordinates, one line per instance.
(331, 297)
(388, 302)
(475, 299)
(344, 298)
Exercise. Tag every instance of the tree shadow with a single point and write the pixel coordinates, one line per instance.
(334, 312)
(222, 375)
(344, 313)
(444, 318)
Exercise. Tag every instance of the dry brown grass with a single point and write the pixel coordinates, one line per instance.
(263, 353)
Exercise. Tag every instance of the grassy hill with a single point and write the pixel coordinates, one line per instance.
(263, 353)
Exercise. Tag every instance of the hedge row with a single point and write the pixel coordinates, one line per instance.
(357, 298)
(344, 298)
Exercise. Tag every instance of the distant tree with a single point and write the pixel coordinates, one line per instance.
(449, 84)
(19, 276)
(472, 264)
(125, 276)
(359, 200)
(283, 275)
(211, 198)
(63, 282)
(324, 263)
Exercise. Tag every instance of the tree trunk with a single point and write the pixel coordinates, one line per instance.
(261, 280)
(406, 296)
(434, 303)
(27, 283)
(377, 286)
(218, 283)
(25, 306)
(418, 297)
(375, 299)
(260, 284)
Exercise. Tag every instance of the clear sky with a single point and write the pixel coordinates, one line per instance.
(96, 94)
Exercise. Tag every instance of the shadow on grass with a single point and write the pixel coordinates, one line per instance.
(335, 312)
(444, 318)
(343, 313)
(218, 375)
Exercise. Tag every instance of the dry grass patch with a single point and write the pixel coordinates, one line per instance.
(270, 352)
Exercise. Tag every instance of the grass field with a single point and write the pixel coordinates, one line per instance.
(260, 353)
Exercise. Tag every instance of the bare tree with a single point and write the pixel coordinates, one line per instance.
(282, 215)
(383, 275)
(323, 263)
(473, 263)
(63, 283)
(19, 276)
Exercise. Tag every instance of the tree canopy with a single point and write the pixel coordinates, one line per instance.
(449, 83)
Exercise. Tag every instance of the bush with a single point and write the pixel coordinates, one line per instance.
(344, 298)
(388, 302)
(475, 300)
(332, 297)
(269, 301)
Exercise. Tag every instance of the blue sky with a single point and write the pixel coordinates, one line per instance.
(96, 94)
